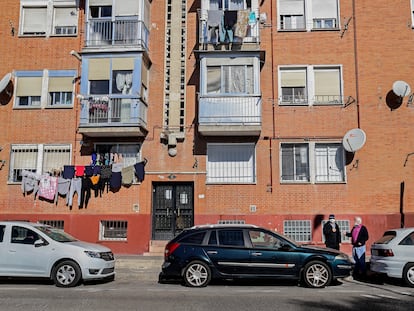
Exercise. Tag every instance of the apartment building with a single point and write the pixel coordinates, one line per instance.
(126, 121)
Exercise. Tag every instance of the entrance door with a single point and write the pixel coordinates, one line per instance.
(172, 209)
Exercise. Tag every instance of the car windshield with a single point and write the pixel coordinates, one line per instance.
(56, 234)
(386, 238)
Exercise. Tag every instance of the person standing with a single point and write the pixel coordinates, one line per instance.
(332, 233)
(359, 236)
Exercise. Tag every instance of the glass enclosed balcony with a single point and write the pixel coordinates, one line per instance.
(122, 31)
(221, 27)
(109, 116)
(230, 115)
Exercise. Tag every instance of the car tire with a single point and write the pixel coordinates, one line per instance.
(408, 274)
(66, 274)
(317, 274)
(197, 274)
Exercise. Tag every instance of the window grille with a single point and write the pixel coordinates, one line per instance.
(299, 230)
(113, 230)
(231, 222)
(59, 224)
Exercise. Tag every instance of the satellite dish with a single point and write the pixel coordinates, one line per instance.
(5, 82)
(354, 140)
(401, 88)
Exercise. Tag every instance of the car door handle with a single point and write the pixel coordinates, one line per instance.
(257, 254)
(212, 252)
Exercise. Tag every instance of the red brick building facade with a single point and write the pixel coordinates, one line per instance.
(238, 109)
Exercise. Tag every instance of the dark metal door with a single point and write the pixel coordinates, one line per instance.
(172, 209)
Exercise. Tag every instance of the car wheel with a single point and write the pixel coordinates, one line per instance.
(317, 274)
(197, 274)
(408, 274)
(66, 274)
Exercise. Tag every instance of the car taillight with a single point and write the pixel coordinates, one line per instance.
(385, 252)
(170, 248)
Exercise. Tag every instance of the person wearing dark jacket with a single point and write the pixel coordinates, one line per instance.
(359, 236)
(332, 233)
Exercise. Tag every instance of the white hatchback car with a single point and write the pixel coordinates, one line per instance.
(393, 254)
(38, 250)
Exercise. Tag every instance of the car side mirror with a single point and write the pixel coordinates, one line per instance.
(40, 242)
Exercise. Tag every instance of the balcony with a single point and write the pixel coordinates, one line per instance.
(220, 28)
(124, 31)
(107, 116)
(229, 115)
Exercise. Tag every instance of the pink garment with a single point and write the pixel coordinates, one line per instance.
(48, 187)
(355, 232)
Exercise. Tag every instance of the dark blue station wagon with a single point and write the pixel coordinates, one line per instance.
(202, 253)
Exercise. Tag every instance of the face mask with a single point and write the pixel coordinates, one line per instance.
(332, 220)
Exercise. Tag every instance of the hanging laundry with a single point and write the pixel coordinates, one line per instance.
(127, 175)
(63, 186)
(68, 171)
(79, 170)
(30, 182)
(242, 23)
(75, 187)
(140, 170)
(47, 187)
(214, 26)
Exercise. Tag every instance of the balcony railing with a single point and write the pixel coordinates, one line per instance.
(230, 110)
(122, 31)
(222, 27)
(106, 111)
(316, 100)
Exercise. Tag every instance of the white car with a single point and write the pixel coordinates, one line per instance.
(393, 254)
(38, 250)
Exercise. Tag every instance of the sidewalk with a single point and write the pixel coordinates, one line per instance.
(138, 267)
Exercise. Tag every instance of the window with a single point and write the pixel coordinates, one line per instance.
(231, 222)
(196, 238)
(308, 14)
(113, 230)
(45, 19)
(329, 163)
(230, 79)
(2, 229)
(344, 226)
(262, 239)
(37, 158)
(47, 88)
(110, 76)
(293, 85)
(295, 162)
(130, 153)
(65, 20)
(231, 163)
(311, 85)
(231, 237)
(229, 4)
(33, 21)
(58, 224)
(298, 230)
(21, 235)
(100, 11)
(312, 162)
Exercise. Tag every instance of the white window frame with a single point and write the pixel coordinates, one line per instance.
(35, 163)
(310, 98)
(298, 230)
(309, 17)
(333, 165)
(223, 166)
(248, 62)
(412, 13)
(49, 26)
(45, 96)
(113, 230)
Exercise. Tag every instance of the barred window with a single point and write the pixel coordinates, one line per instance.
(299, 230)
(58, 224)
(113, 230)
(231, 222)
(37, 159)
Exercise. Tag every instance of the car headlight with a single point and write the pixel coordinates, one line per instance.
(342, 257)
(93, 254)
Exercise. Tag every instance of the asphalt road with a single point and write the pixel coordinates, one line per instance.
(129, 293)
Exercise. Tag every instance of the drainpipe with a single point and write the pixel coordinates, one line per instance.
(356, 62)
